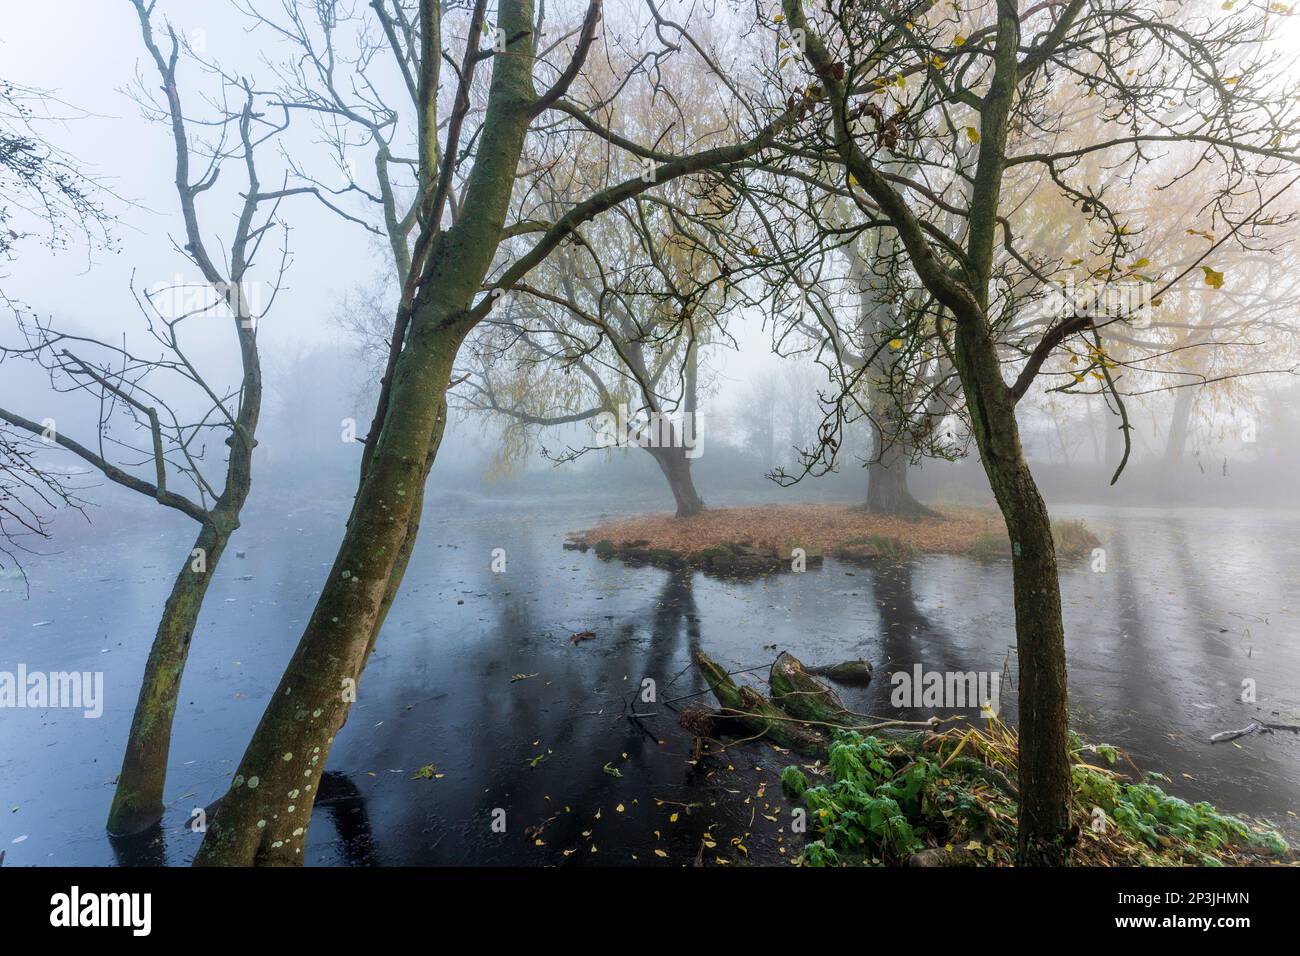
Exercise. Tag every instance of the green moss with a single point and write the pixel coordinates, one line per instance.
(888, 799)
(794, 782)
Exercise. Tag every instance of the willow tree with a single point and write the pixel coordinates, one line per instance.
(1205, 85)
(145, 395)
(455, 279)
(609, 332)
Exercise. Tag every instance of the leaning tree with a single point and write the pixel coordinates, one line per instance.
(1191, 82)
(609, 331)
(455, 279)
(147, 396)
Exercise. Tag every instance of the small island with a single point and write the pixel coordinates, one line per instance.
(764, 539)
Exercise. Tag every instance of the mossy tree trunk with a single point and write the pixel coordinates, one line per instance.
(1040, 630)
(263, 819)
(138, 799)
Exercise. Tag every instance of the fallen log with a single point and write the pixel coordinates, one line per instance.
(847, 672)
(801, 695)
(756, 716)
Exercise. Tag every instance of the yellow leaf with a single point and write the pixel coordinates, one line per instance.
(958, 40)
(1213, 279)
(619, 808)
(895, 343)
(972, 134)
(673, 818)
(659, 852)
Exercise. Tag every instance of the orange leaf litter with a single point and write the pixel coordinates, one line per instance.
(817, 528)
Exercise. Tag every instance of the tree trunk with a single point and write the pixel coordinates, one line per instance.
(677, 469)
(1045, 829)
(138, 800)
(887, 491)
(1177, 441)
(264, 817)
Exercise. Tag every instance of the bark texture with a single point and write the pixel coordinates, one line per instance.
(887, 473)
(138, 799)
(263, 819)
(1045, 829)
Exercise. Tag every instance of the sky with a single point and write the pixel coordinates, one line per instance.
(88, 54)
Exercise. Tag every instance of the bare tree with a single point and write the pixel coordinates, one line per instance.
(46, 198)
(455, 279)
(1207, 89)
(142, 398)
(609, 331)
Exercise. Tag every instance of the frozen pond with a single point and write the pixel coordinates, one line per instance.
(1192, 602)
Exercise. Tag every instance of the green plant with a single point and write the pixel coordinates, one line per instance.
(1071, 537)
(794, 782)
(887, 799)
(868, 806)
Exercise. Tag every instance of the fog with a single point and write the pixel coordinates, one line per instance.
(824, 462)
